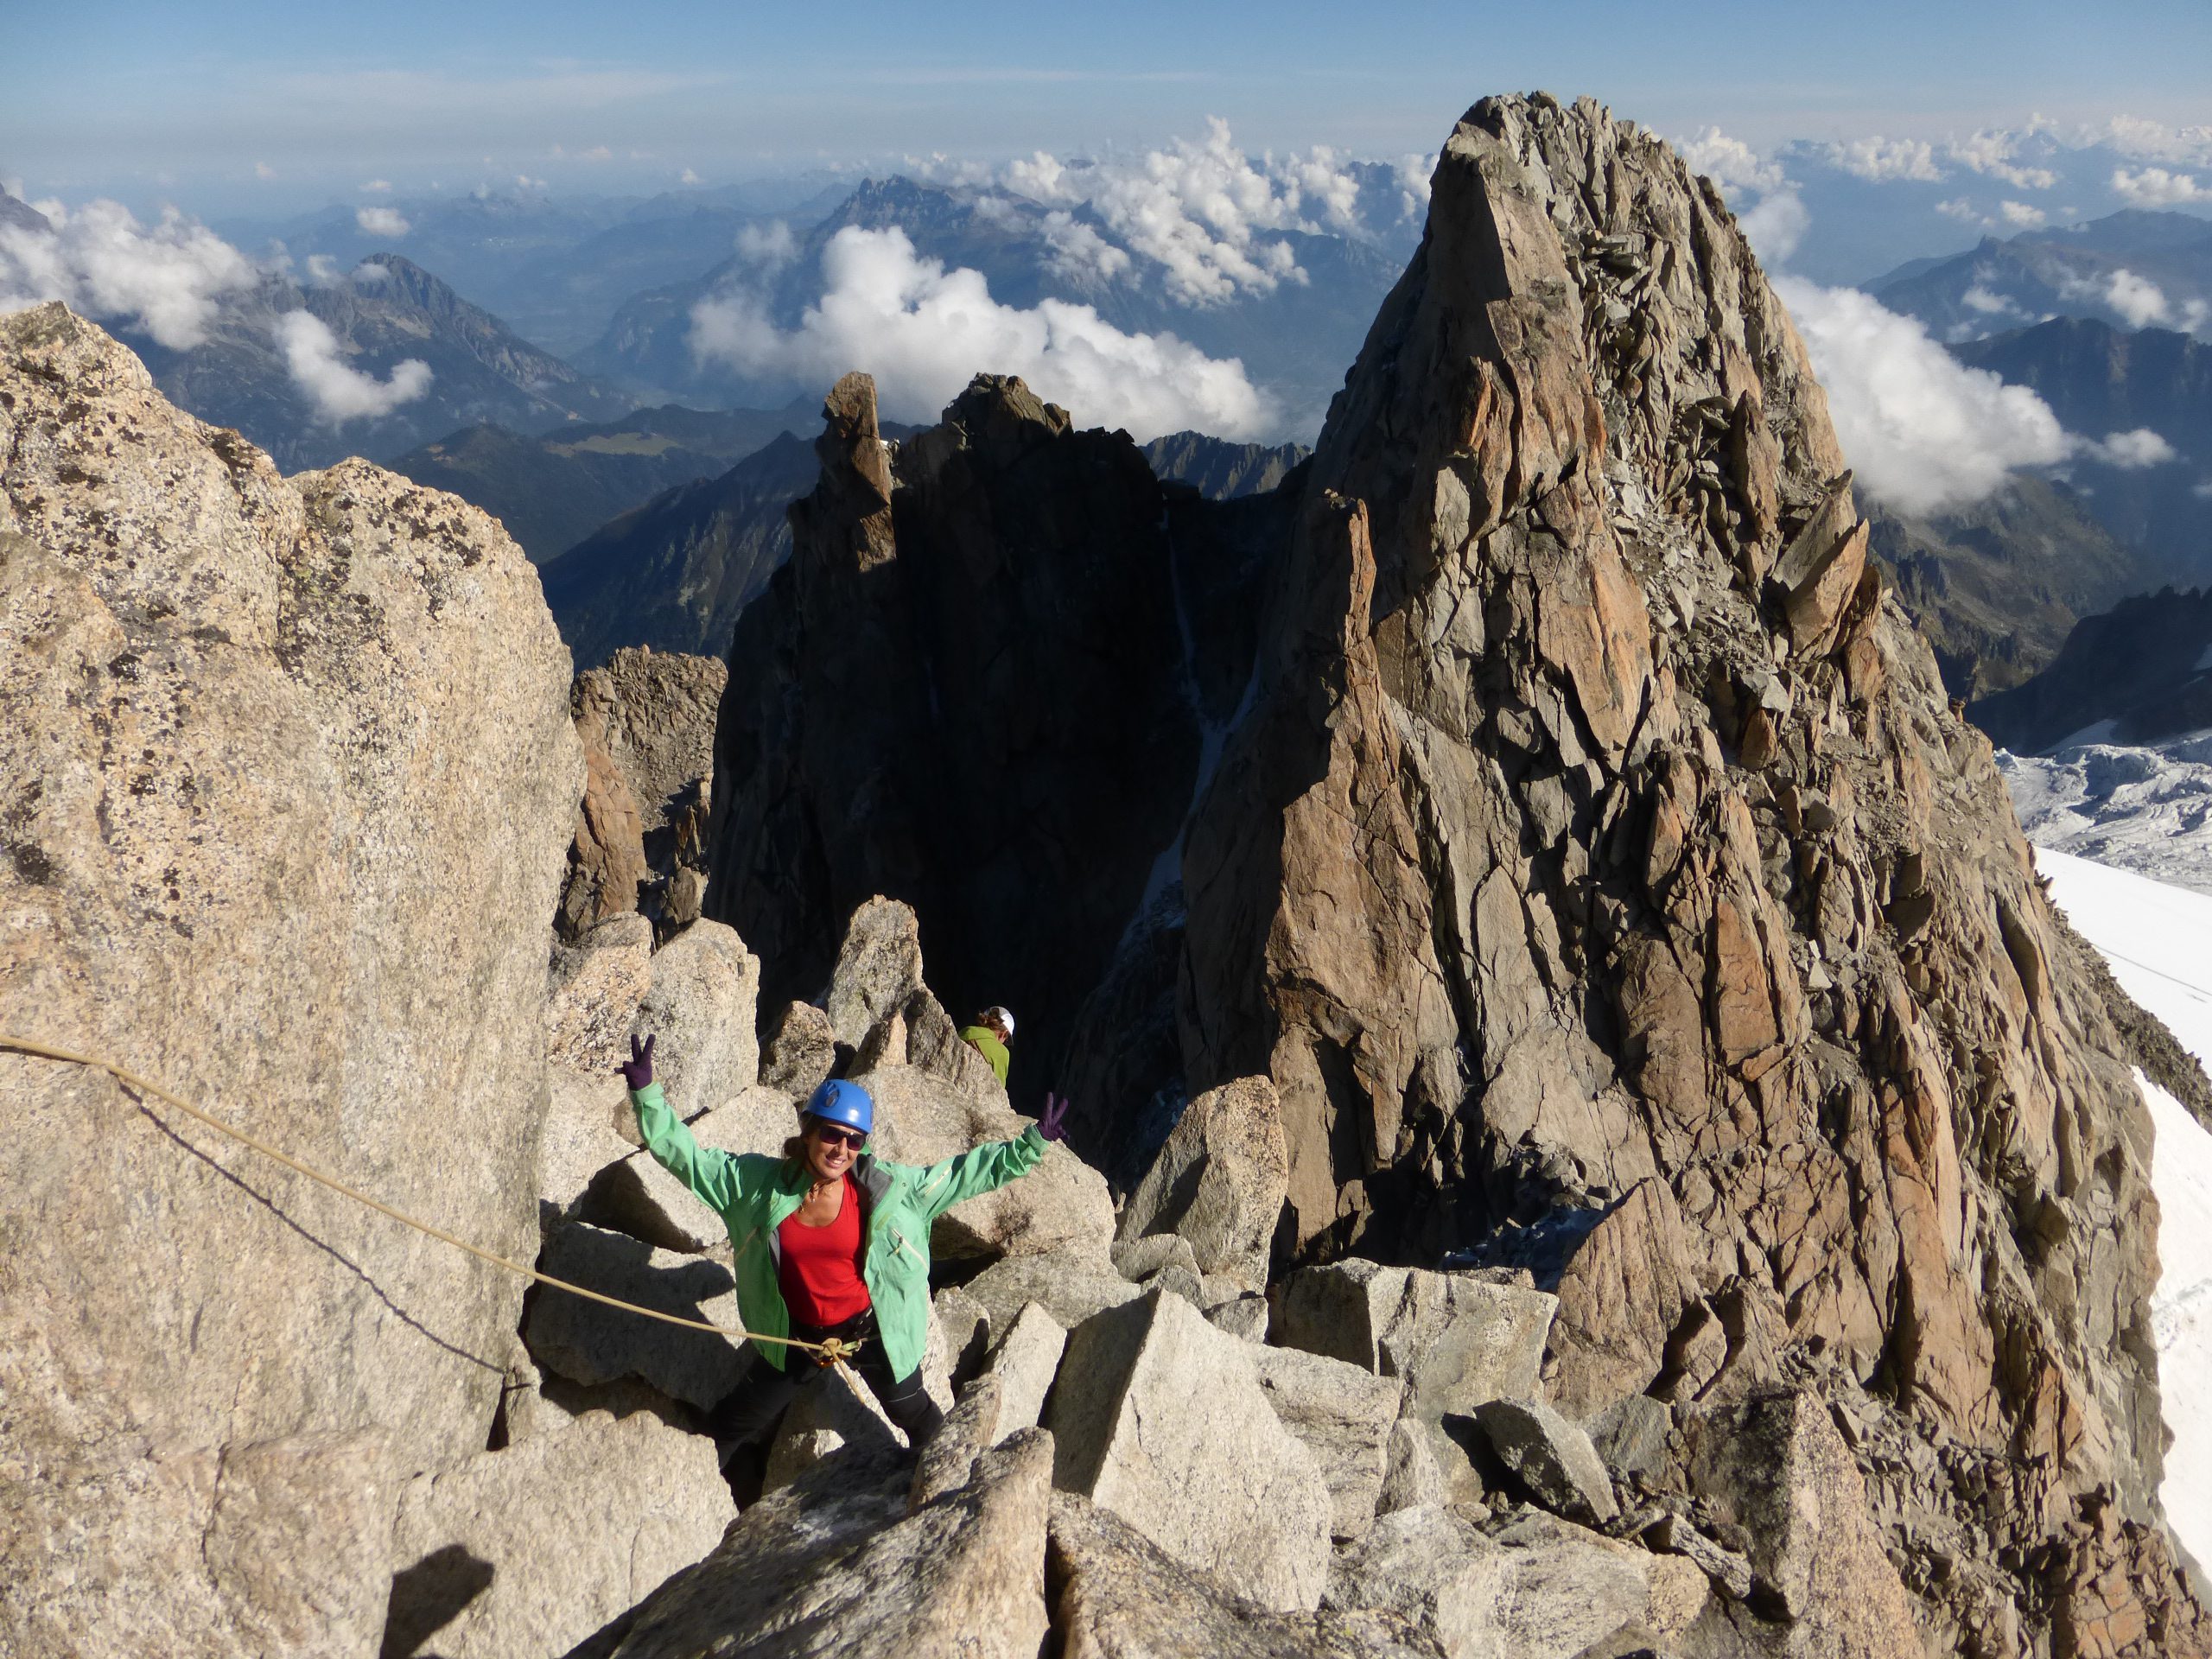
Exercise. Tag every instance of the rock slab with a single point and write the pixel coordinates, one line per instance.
(530, 1550)
(1219, 1182)
(588, 1342)
(1123, 1596)
(1162, 1419)
(287, 784)
(1552, 1457)
(1344, 1415)
(834, 1566)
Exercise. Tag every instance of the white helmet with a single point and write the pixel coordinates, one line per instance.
(999, 1017)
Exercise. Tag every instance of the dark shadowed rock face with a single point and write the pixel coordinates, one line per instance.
(985, 683)
(674, 573)
(2139, 666)
(1584, 848)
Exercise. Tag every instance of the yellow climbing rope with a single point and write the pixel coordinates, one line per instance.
(835, 1351)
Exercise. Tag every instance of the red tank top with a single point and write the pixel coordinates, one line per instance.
(820, 1273)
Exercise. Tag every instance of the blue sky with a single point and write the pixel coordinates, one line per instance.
(225, 106)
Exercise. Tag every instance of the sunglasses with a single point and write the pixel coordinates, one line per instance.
(832, 1135)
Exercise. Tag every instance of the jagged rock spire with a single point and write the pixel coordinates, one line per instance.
(1655, 862)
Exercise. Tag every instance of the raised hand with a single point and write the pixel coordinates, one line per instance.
(1052, 1122)
(638, 1072)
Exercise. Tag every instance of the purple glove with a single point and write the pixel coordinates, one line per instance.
(1052, 1122)
(639, 1070)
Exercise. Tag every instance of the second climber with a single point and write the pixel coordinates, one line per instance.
(988, 1037)
(830, 1241)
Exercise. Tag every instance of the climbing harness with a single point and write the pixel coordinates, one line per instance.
(834, 1350)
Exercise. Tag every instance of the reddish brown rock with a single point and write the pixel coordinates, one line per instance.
(606, 861)
(1588, 822)
(1621, 1295)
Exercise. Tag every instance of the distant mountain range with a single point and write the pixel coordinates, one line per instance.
(556, 270)
(386, 312)
(2140, 673)
(674, 573)
(2128, 270)
(1218, 470)
(2099, 380)
(552, 489)
(1996, 587)
(1296, 340)
(558, 451)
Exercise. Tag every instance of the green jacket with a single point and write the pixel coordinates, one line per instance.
(987, 1044)
(755, 1194)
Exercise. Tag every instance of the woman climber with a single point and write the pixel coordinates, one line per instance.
(831, 1243)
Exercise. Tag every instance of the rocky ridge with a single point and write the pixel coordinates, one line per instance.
(1655, 1178)
(1583, 847)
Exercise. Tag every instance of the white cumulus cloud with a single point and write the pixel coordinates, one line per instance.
(768, 246)
(1775, 226)
(168, 279)
(2154, 141)
(377, 187)
(1042, 178)
(2154, 186)
(2020, 213)
(1208, 215)
(686, 176)
(2138, 300)
(1995, 153)
(1731, 163)
(2130, 451)
(1925, 431)
(923, 332)
(1079, 255)
(340, 391)
(1988, 301)
(1324, 185)
(1883, 160)
(382, 221)
(1199, 211)
(1414, 173)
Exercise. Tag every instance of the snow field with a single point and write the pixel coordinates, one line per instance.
(2158, 940)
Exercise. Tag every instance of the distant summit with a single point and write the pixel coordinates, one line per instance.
(386, 312)
(2127, 269)
(20, 214)
(1220, 470)
(2101, 379)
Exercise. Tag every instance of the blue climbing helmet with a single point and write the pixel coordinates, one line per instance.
(840, 1102)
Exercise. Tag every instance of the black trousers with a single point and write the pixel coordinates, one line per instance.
(749, 1411)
